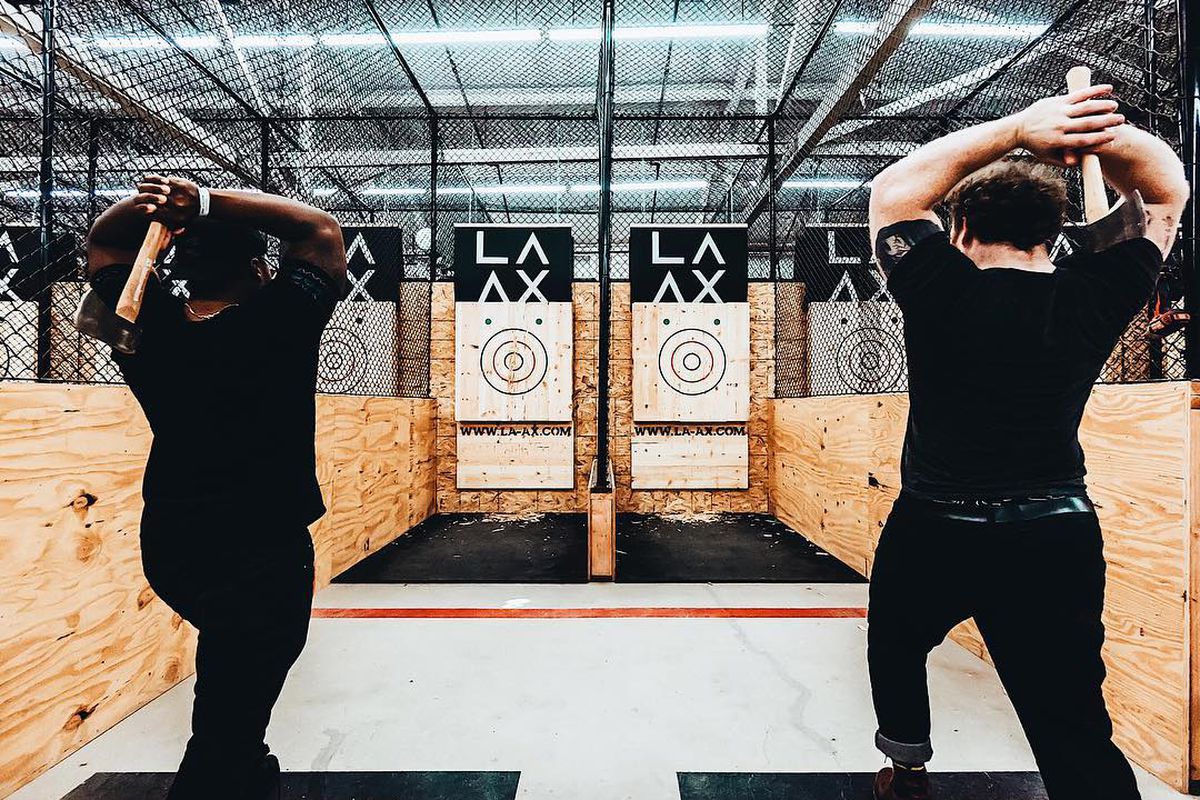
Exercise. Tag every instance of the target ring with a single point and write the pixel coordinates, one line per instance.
(514, 361)
(341, 359)
(692, 361)
(870, 358)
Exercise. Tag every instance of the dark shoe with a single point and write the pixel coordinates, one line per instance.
(266, 782)
(902, 784)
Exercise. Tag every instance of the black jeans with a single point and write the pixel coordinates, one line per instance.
(1036, 590)
(246, 585)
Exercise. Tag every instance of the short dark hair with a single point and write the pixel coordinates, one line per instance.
(214, 254)
(1021, 203)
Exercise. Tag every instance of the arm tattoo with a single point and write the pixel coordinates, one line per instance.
(893, 242)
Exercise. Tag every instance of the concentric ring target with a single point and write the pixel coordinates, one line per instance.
(342, 359)
(870, 358)
(514, 361)
(692, 361)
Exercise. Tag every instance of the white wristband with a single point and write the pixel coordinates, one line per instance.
(205, 202)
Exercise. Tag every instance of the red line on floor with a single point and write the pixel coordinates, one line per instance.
(589, 613)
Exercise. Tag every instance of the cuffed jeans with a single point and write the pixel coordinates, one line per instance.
(1036, 590)
(246, 585)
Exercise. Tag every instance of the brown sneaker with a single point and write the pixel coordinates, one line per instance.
(902, 784)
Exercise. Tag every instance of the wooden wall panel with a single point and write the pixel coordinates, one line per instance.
(83, 640)
(835, 473)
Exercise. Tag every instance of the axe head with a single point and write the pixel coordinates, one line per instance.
(1124, 221)
(94, 318)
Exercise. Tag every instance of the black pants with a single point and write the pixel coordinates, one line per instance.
(1036, 590)
(246, 585)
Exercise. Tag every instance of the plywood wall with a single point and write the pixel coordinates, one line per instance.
(442, 377)
(835, 473)
(83, 640)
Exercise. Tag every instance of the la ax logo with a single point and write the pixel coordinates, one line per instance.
(493, 289)
(708, 284)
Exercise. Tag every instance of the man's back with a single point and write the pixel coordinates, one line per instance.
(231, 399)
(1001, 364)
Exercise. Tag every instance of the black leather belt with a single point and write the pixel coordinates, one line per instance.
(1003, 510)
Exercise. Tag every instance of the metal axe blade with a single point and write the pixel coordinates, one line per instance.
(94, 318)
(1126, 220)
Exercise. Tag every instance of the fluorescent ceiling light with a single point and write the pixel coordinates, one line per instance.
(825, 183)
(465, 37)
(67, 194)
(391, 191)
(965, 30)
(130, 42)
(11, 43)
(720, 31)
(197, 42)
(324, 192)
(264, 40)
(353, 39)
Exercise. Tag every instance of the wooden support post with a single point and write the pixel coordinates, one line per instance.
(602, 528)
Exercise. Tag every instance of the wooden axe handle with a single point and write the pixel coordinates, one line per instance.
(1095, 199)
(130, 304)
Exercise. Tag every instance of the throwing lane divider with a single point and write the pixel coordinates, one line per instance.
(513, 325)
(691, 356)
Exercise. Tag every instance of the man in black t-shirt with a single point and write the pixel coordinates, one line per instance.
(993, 519)
(226, 375)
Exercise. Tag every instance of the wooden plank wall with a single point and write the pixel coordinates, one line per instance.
(835, 473)
(83, 640)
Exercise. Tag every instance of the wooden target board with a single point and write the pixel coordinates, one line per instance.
(855, 330)
(513, 325)
(691, 356)
(360, 346)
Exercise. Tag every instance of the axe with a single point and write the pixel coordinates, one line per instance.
(119, 329)
(1103, 226)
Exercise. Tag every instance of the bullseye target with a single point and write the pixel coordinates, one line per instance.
(870, 357)
(692, 361)
(18, 340)
(856, 347)
(359, 349)
(341, 356)
(514, 361)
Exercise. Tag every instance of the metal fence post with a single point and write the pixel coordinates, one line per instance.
(604, 114)
(1189, 117)
(46, 189)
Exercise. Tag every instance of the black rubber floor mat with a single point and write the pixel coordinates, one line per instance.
(852, 786)
(324, 786)
(721, 548)
(481, 548)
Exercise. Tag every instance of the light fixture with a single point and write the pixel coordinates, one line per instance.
(825, 183)
(197, 42)
(964, 30)
(11, 43)
(267, 40)
(130, 42)
(716, 31)
(466, 36)
(392, 191)
(67, 194)
(353, 39)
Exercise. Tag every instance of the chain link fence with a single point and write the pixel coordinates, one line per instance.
(404, 118)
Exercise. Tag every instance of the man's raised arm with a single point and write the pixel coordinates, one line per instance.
(1135, 159)
(1053, 129)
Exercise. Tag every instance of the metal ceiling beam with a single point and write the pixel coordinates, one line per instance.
(156, 112)
(876, 50)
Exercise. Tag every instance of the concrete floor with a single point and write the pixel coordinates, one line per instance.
(585, 709)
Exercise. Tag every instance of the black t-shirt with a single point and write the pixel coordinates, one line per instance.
(1001, 363)
(231, 401)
